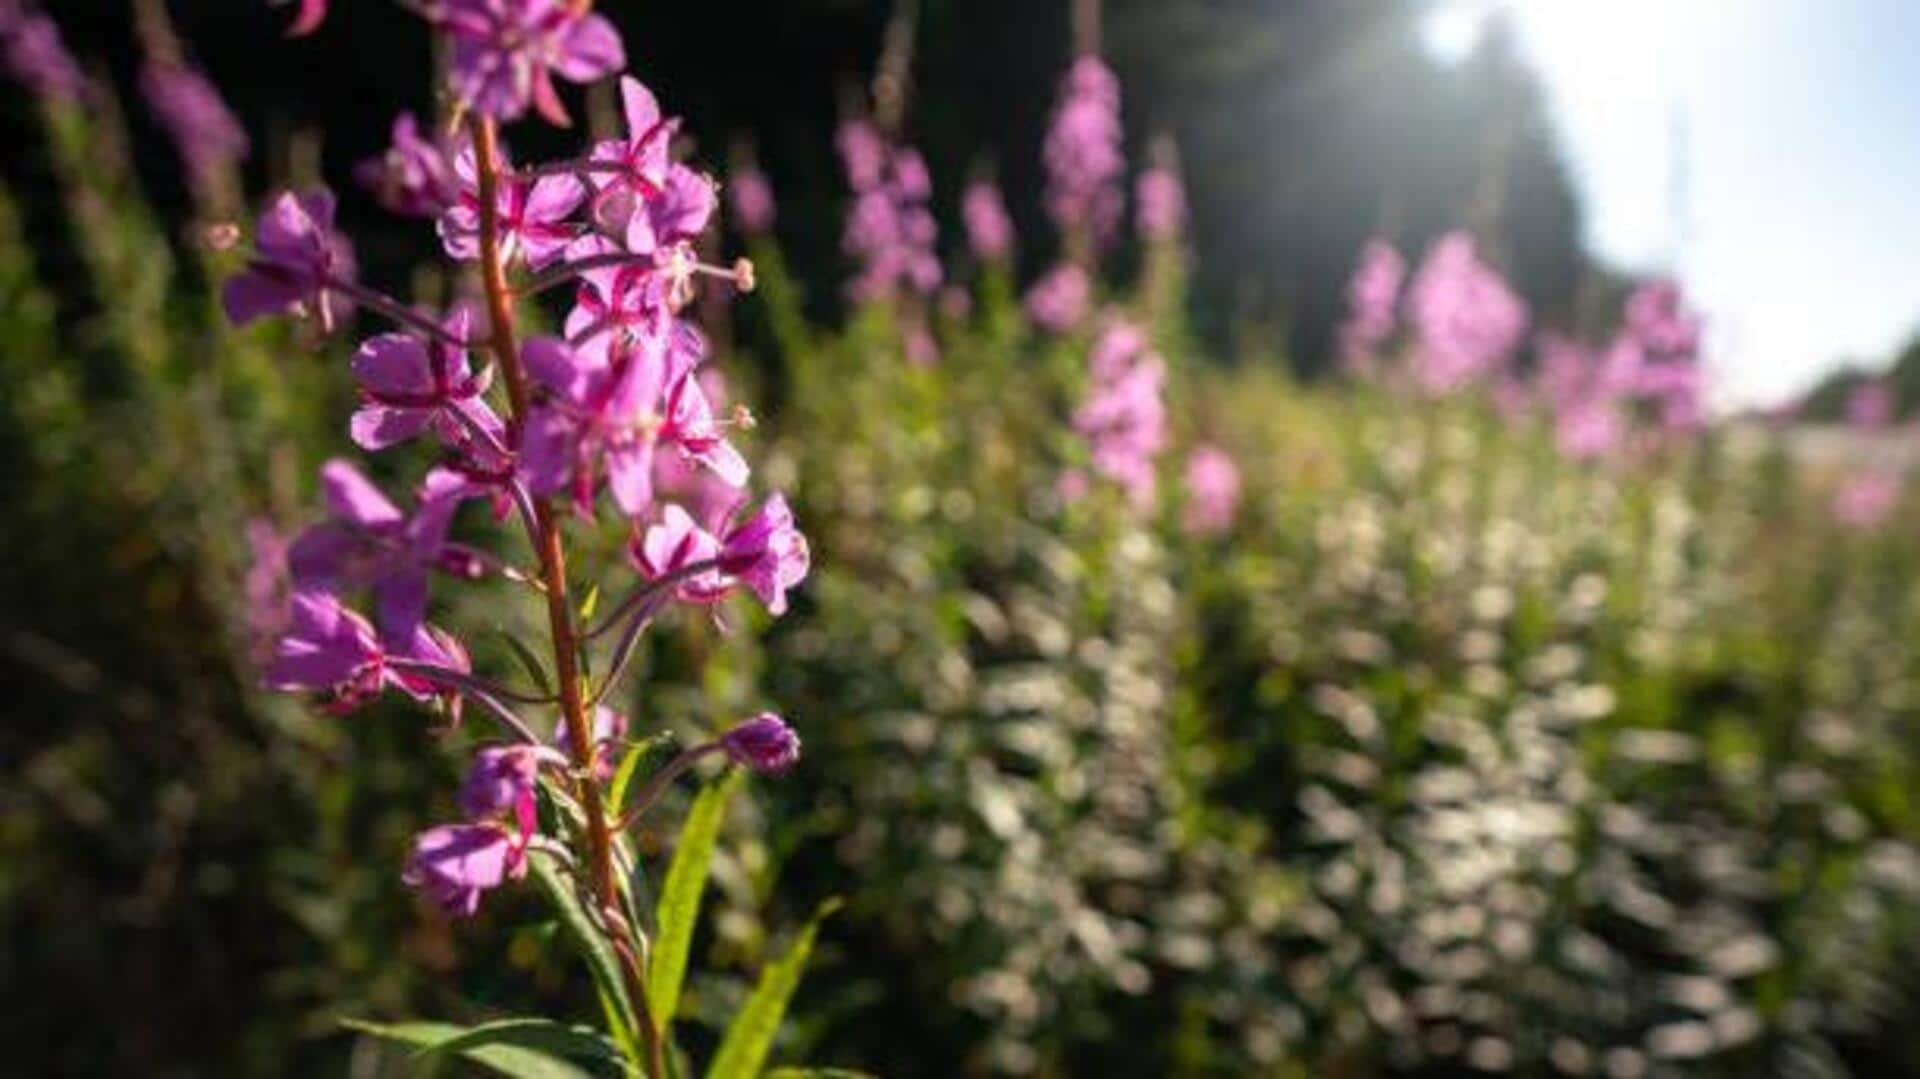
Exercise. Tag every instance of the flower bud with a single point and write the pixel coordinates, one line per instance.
(764, 743)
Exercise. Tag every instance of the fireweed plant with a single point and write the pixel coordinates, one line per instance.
(536, 428)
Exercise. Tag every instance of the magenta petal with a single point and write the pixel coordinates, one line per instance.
(554, 198)
(591, 50)
(401, 602)
(630, 478)
(377, 427)
(353, 498)
(252, 295)
(393, 363)
(318, 557)
(559, 368)
(546, 450)
(641, 107)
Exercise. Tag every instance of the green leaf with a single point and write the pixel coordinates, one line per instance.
(536, 1034)
(519, 1061)
(743, 1051)
(592, 601)
(594, 948)
(679, 907)
(529, 661)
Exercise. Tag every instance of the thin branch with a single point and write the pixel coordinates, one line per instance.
(646, 589)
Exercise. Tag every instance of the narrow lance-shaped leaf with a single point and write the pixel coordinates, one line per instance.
(528, 661)
(594, 947)
(679, 907)
(581, 1044)
(518, 1061)
(743, 1052)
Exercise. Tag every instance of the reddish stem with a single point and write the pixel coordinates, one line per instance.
(553, 574)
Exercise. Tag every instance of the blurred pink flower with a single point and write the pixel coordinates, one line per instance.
(1059, 301)
(989, 230)
(750, 197)
(1213, 490)
(1160, 204)
(1371, 297)
(1123, 416)
(1871, 405)
(32, 52)
(207, 135)
(1083, 153)
(412, 177)
(1466, 318)
(1865, 500)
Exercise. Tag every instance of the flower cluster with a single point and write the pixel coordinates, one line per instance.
(1372, 295)
(889, 229)
(617, 400)
(750, 201)
(1867, 496)
(1083, 152)
(414, 176)
(1651, 368)
(1213, 491)
(1061, 299)
(1159, 204)
(210, 140)
(32, 52)
(1123, 416)
(1465, 317)
(505, 53)
(989, 229)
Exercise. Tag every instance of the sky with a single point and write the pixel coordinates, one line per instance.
(1766, 152)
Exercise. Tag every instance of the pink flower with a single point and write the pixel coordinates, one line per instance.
(32, 52)
(1656, 315)
(1213, 490)
(1059, 301)
(414, 176)
(1160, 204)
(675, 544)
(1082, 152)
(502, 780)
(655, 203)
(534, 216)
(617, 408)
(1589, 428)
(456, 864)
(367, 541)
(768, 553)
(1870, 407)
(297, 253)
(1865, 500)
(750, 198)
(1371, 297)
(328, 649)
(1467, 319)
(409, 385)
(989, 229)
(602, 410)
(889, 228)
(206, 133)
(764, 744)
(1123, 417)
(506, 52)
